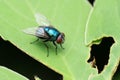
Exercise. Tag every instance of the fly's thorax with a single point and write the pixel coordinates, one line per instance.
(52, 32)
(61, 38)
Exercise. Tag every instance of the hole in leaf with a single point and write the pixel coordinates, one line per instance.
(99, 54)
(91, 2)
(12, 58)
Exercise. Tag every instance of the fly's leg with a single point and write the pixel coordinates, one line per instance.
(46, 40)
(61, 46)
(47, 49)
(46, 46)
(55, 47)
(34, 41)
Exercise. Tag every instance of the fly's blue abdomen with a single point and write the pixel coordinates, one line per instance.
(52, 32)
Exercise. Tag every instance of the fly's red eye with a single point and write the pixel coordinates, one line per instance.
(59, 40)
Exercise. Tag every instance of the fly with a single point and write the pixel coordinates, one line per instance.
(46, 32)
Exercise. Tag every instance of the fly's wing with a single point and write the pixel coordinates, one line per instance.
(40, 32)
(42, 20)
(36, 31)
(31, 31)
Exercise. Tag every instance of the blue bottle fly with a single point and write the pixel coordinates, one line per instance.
(46, 32)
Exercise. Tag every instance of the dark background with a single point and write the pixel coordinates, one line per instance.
(12, 58)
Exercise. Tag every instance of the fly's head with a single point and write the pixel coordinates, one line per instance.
(61, 38)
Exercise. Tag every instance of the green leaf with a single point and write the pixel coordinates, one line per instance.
(104, 21)
(7, 74)
(68, 16)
